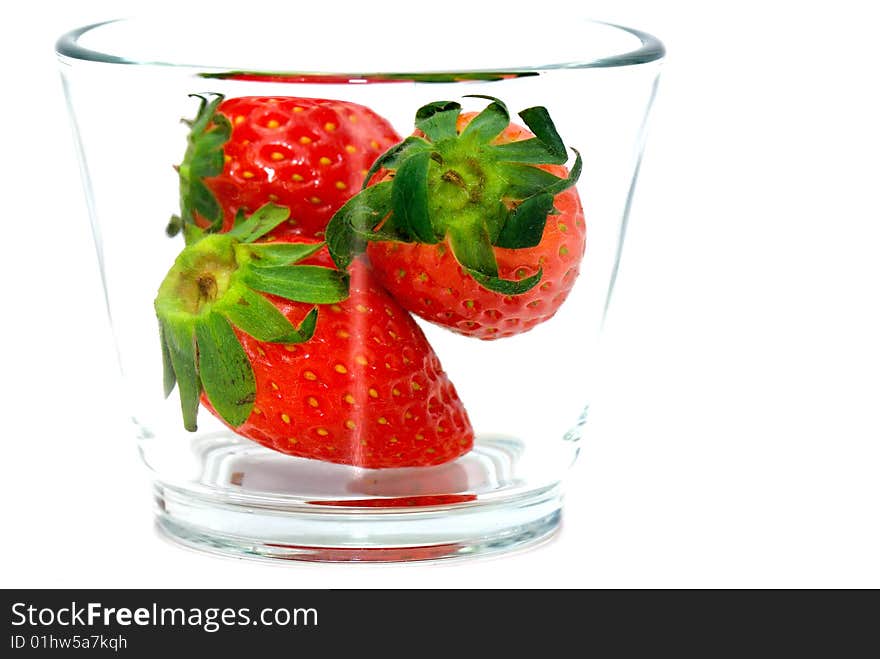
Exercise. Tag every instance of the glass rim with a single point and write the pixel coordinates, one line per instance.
(651, 49)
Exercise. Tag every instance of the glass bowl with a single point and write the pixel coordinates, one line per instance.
(424, 393)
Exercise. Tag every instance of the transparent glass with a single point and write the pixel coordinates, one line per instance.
(128, 84)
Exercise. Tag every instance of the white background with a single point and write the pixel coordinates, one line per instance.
(736, 442)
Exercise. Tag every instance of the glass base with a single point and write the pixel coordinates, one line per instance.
(256, 503)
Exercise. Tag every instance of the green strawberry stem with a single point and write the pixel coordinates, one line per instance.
(460, 187)
(214, 285)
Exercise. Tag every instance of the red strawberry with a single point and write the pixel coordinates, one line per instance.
(304, 153)
(473, 222)
(366, 389)
(290, 357)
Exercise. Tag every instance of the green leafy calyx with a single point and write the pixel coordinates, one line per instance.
(461, 187)
(218, 283)
(209, 132)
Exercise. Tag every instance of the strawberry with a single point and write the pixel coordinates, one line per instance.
(472, 222)
(304, 153)
(302, 358)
